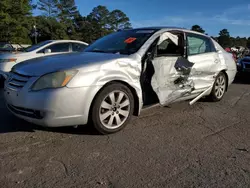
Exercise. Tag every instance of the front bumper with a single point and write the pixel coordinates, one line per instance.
(51, 107)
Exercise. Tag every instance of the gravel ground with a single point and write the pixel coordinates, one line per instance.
(204, 145)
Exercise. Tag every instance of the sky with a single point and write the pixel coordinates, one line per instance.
(211, 15)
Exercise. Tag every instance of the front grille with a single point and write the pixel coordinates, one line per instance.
(247, 66)
(26, 112)
(17, 81)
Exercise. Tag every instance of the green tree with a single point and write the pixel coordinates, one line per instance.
(5, 20)
(106, 22)
(48, 28)
(67, 13)
(224, 38)
(48, 7)
(67, 10)
(248, 42)
(100, 14)
(239, 41)
(119, 20)
(61, 20)
(15, 16)
(99, 17)
(197, 28)
(86, 30)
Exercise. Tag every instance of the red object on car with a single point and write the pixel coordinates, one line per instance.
(233, 54)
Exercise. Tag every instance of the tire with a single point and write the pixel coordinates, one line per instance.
(112, 108)
(219, 87)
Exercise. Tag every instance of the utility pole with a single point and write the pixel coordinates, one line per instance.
(35, 34)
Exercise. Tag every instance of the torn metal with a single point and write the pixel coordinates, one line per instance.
(171, 79)
(177, 77)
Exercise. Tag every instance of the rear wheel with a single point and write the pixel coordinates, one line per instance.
(219, 87)
(112, 108)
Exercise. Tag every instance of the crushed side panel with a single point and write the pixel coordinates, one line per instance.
(171, 79)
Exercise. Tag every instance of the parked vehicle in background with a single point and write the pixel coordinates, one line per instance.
(243, 64)
(46, 48)
(240, 52)
(231, 52)
(117, 76)
(7, 47)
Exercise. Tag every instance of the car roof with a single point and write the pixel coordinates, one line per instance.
(163, 28)
(78, 41)
(157, 28)
(160, 27)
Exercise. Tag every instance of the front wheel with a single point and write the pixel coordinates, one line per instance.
(112, 108)
(219, 87)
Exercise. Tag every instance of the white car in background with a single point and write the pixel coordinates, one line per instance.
(46, 48)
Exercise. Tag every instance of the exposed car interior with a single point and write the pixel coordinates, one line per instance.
(166, 49)
(169, 48)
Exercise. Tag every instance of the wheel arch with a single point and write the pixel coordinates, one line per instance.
(132, 89)
(225, 73)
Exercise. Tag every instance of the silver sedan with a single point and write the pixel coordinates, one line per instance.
(118, 75)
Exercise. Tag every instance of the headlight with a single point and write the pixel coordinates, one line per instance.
(7, 60)
(54, 80)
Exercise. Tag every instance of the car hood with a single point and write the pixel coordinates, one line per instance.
(13, 54)
(4, 52)
(44, 65)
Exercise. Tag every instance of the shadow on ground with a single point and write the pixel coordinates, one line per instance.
(10, 123)
(242, 78)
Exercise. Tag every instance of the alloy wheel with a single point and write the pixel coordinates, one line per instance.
(114, 109)
(220, 86)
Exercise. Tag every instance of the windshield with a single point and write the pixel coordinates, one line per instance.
(122, 42)
(36, 46)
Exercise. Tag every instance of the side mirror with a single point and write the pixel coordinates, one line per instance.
(47, 51)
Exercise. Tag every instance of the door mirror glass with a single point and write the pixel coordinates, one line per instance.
(47, 51)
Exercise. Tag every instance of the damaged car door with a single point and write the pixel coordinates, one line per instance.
(207, 64)
(172, 70)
